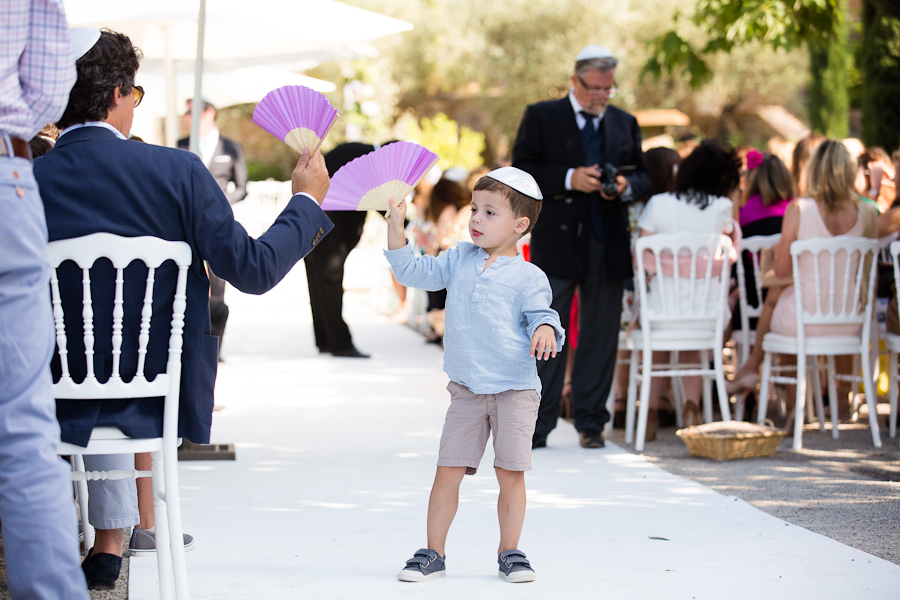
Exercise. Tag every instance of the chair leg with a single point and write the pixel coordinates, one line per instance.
(871, 399)
(800, 407)
(611, 404)
(176, 531)
(720, 386)
(763, 401)
(643, 411)
(677, 393)
(817, 392)
(161, 521)
(632, 397)
(833, 397)
(892, 393)
(810, 403)
(854, 396)
(707, 389)
(81, 490)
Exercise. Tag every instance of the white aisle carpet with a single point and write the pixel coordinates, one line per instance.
(335, 458)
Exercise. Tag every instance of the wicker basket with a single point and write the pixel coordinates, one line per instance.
(727, 440)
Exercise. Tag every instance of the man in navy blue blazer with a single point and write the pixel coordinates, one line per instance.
(95, 180)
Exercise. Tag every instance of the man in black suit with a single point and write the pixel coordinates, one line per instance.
(225, 160)
(325, 266)
(582, 239)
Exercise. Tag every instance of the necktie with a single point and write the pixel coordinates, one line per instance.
(587, 132)
(593, 149)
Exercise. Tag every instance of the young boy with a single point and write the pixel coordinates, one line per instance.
(498, 320)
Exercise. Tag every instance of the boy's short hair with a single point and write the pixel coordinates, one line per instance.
(522, 205)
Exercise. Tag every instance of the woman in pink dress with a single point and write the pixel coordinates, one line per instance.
(833, 209)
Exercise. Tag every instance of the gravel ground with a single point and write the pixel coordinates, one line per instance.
(119, 593)
(844, 489)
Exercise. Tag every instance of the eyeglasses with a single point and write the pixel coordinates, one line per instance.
(139, 94)
(609, 92)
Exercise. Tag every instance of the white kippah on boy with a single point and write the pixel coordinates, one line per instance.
(498, 320)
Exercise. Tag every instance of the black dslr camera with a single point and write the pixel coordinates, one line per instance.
(608, 174)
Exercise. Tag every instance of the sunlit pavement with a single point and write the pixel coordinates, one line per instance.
(335, 458)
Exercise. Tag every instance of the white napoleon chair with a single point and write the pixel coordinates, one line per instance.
(682, 320)
(121, 252)
(892, 341)
(851, 305)
(745, 338)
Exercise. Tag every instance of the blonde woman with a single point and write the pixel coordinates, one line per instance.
(833, 208)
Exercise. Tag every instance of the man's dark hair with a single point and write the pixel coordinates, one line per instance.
(711, 170)
(111, 63)
(522, 205)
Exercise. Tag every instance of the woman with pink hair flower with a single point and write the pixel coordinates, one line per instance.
(768, 191)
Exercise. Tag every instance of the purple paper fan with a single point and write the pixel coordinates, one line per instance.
(366, 183)
(297, 115)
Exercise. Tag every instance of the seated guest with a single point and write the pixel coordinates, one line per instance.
(702, 201)
(831, 209)
(768, 192)
(96, 180)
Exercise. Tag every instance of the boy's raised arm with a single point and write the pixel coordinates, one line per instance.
(396, 235)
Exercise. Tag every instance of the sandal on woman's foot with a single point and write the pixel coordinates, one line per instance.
(690, 413)
(741, 384)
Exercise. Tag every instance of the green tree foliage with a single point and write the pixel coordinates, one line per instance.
(482, 63)
(457, 146)
(880, 66)
(780, 24)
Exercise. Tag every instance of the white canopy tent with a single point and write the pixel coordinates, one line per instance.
(235, 34)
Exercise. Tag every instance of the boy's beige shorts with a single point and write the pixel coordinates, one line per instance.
(471, 418)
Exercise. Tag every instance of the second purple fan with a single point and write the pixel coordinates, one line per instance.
(367, 182)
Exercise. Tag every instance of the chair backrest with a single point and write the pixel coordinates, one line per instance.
(895, 258)
(840, 278)
(753, 246)
(121, 251)
(684, 286)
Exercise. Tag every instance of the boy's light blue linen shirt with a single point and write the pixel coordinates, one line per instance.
(491, 315)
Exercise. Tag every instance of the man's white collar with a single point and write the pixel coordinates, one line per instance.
(103, 124)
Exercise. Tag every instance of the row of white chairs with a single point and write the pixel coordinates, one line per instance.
(682, 321)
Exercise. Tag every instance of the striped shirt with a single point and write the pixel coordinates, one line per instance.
(37, 69)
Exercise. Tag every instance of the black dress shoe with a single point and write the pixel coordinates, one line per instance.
(101, 570)
(538, 441)
(591, 439)
(350, 352)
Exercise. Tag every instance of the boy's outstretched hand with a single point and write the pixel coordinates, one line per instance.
(543, 343)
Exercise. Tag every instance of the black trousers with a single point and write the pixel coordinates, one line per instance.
(325, 276)
(599, 313)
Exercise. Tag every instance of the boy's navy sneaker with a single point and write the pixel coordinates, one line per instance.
(514, 567)
(424, 565)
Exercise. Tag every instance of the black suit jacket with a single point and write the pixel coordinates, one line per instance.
(548, 144)
(227, 164)
(93, 182)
